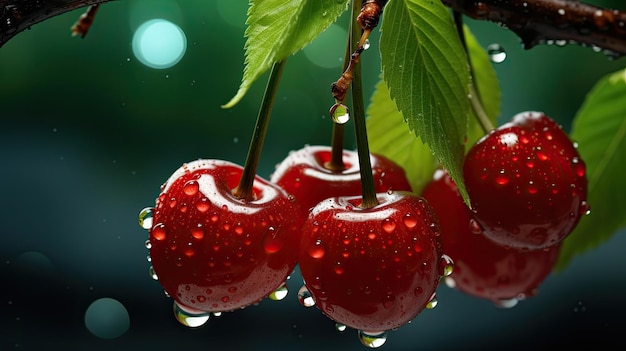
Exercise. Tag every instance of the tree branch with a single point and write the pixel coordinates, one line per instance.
(18, 15)
(534, 21)
(557, 22)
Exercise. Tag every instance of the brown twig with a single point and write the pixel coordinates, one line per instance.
(557, 22)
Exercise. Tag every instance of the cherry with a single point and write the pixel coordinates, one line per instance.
(483, 268)
(376, 268)
(306, 174)
(526, 183)
(214, 252)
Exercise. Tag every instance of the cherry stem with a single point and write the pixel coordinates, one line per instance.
(365, 167)
(475, 100)
(246, 183)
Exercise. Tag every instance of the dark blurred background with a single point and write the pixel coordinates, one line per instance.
(88, 133)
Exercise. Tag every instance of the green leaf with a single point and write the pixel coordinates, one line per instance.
(390, 136)
(280, 28)
(426, 71)
(599, 128)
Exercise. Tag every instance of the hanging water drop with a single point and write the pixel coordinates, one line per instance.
(152, 273)
(340, 113)
(433, 302)
(190, 318)
(366, 44)
(305, 298)
(372, 339)
(340, 327)
(506, 303)
(279, 293)
(447, 266)
(496, 53)
(146, 217)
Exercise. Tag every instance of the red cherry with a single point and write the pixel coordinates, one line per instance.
(372, 269)
(214, 252)
(304, 174)
(526, 183)
(483, 268)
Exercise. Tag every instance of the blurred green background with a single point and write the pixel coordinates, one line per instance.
(88, 134)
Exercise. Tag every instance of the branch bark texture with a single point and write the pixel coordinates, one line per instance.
(557, 22)
(536, 22)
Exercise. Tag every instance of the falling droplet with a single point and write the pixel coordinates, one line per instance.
(447, 266)
(146, 217)
(152, 273)
(506, 303)
(340, 327)
(374, 339)
(279, 293)
(305, 298)
(190, 318)
(496, 53)
(340, 113)
(433, 302)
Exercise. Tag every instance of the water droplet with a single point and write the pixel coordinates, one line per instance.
(409, 220)
(447, 266)
(496, 53)
(579, 167)
(190, 318)
(506, 303)
(158, 232)
(340, 113)
(433, 302)
(203, 205)
(389, 301)
(475, 227)
(198, 232)
(389, 225)
(279, 293)
(217, 314)
(585, 209)
(501, 178)
(317, 250)
(152, 273)
(191, 187)
(146, 218)
(366, 44)
(148, 244)
(305, 298)
(340, 327)
(273, 242)
(372, 339)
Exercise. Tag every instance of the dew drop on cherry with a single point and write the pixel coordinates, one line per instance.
(152, 273)
(146, 217)
(372, 339)
(190, 318)
(433, 302)
(279, 293)
(502, 179)
(475, 227)
(579, 167)
(409, 220)
(585, 209)
(198, 232)
(272, 243)
(317, 250)
(305, 298)
(148, 244)
(447, 266)
(203, 205)
(191, 188)
(389, 225)
(158, 232)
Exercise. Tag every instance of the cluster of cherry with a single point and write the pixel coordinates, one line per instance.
(371, 268)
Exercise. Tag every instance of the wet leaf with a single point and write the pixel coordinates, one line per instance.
(279, 28)
(426, 71)
(599, 128)
(389, 136)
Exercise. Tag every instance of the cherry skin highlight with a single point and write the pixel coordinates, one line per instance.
(214, 252)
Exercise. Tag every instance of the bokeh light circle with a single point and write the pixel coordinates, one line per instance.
(159, 43)
(107, 318)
